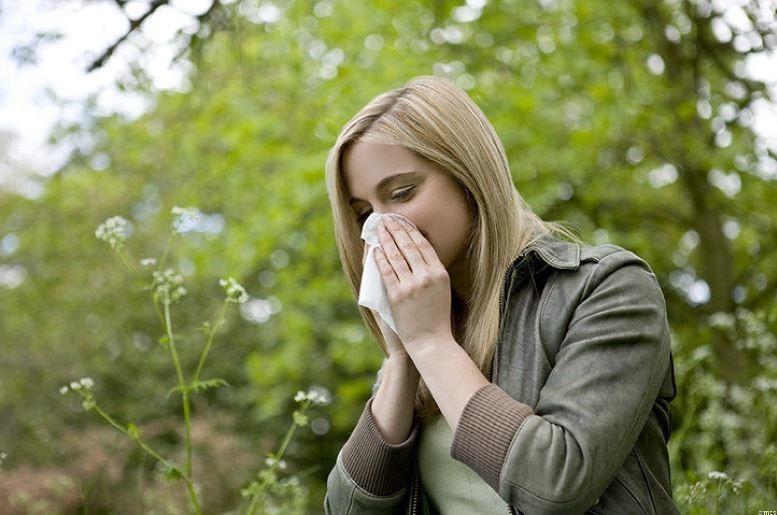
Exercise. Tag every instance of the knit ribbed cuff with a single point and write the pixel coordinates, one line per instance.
(486, 428)
(377, 466)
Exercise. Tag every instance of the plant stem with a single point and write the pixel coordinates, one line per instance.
(252, 506)
(164, 254)
(204, 354)
(156, 308)
(289, 434)
(126, 263)
(291, 430)
(141, 443)
(184, 395)
(193, 496)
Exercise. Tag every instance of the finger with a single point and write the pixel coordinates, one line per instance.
(423, 246)
(386, 270)
(393, 255)
(405, 243)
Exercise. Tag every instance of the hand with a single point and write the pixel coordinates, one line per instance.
(417, 284)
(394, 347)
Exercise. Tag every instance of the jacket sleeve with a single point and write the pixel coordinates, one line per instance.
(561, 455)
(370, 474)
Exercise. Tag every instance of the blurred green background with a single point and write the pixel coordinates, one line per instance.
(631, 120)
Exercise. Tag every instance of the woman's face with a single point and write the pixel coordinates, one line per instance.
(393, 179)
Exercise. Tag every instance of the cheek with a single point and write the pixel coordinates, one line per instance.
(439, 236)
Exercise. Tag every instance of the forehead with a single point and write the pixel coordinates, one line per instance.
(365, 164)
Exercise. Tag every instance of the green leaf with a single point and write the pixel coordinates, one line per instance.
(206, 384)
(173, 473)
(173, 389)
(133, 430)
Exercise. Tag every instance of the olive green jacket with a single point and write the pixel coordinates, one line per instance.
(576, 418)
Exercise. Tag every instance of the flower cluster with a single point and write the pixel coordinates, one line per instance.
(148, 263)
(185, 218)
(84, 383)
(235, 292)
(316, 396)
(114, 231)
(83, 387)
(271, 461)
(167, 286)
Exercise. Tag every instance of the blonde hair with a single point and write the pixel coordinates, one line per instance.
(432, 117)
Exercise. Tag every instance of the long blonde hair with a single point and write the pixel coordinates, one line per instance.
(432, 117)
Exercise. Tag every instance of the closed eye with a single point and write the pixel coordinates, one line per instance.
(400, 196)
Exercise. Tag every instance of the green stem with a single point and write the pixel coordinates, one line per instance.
(291, 430)
(213, 331)
(164, 254)
(158, 313)
(141, 443)
(184, 393)
(279, 455)
(252, 506)
(127, 263)
(193, 497)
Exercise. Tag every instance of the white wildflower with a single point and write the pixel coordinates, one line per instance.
(721, 319)
(86, 382)
(319, 395)
(75, 385)
(717, 475)
(167, 286)
(185, 218)
(235, 292)
(114, 231)
(148, 263)
(271, 461)
(316, 395)
(63, 390)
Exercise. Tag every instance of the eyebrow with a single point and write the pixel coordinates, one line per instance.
(385, 182)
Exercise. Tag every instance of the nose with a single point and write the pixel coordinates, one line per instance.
(425, 235)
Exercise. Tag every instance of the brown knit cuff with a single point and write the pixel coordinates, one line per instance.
(377, 466)
(486, 428)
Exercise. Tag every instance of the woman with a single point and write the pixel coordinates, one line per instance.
(528, 374)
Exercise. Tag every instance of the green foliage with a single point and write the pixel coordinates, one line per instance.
(201, 386)
(593, 136)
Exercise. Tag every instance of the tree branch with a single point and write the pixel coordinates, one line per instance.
(134, 24)
(201, 19)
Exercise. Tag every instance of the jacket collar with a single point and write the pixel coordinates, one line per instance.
(554, 252)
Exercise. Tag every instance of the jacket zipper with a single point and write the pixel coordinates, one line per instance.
(502, 301)
(414, 489)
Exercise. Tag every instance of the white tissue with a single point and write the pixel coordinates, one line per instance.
(372, 292)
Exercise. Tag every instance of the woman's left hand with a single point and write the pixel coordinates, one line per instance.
(417, 284)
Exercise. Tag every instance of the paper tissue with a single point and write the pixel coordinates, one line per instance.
(372, 292)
